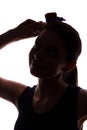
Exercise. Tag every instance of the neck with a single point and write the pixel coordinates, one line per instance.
(50, 86)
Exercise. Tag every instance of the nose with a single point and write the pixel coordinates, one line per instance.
(38, 55)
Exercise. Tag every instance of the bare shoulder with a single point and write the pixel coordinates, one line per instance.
(11, 90)
(82, 105)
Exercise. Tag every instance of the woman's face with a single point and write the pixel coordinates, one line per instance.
(47, 57)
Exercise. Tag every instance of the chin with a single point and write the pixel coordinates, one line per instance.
(42, 75)
(37, 74)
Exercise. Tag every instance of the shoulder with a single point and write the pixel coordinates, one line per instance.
(26, 97)
(26, 93)
(82, 105)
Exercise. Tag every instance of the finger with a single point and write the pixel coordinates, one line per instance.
(41, 24)
(35, 33)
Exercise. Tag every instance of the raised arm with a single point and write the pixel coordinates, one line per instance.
(27, 29)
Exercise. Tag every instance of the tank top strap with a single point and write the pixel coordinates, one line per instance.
(25, 98)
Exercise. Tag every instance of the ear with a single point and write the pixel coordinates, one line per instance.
(70, 66)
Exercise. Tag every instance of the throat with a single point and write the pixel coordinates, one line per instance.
(49, 87)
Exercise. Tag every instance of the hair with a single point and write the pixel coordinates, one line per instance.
(72, 43)
(71, 77)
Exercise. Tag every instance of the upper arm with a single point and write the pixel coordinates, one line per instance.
(82, 105)
(11, 90)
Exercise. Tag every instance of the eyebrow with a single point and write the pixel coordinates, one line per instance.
(52, 48)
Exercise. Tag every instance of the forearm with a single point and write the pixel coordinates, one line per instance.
(27, 29)
(8, 37)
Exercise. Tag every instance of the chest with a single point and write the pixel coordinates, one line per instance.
(62, 116)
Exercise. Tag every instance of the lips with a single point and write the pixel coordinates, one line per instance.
(38, 64)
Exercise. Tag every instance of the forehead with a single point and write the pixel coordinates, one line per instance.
(49, 37)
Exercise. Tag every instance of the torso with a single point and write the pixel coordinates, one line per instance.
(61, 113)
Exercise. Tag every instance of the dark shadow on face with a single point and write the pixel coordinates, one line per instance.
(47, 57)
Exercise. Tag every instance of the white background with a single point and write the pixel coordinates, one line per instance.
(14, 57)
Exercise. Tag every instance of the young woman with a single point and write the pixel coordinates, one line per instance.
(56, 102)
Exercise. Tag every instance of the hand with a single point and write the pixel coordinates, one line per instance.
(29, 28)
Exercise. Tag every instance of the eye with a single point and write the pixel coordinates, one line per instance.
(52, 52)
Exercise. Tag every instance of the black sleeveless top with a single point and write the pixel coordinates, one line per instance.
(62, 116)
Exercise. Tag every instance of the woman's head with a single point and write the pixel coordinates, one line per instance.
(47, 57)
(57, 45)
